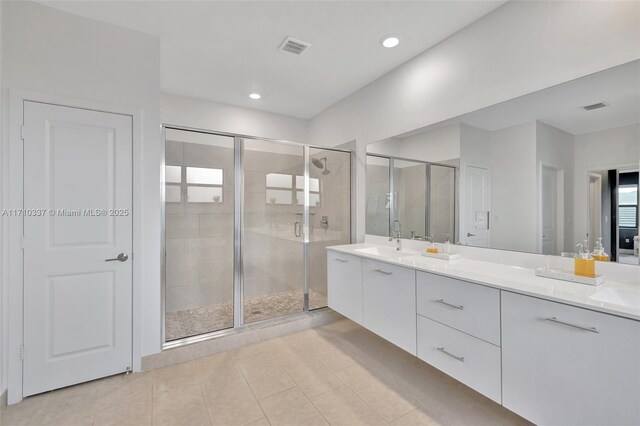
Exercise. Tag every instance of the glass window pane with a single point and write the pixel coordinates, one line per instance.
(278, 196)
(627, 217)
(172, 194)
(628, 195)
(173, 174)
(314, 183)
(277, 180)
(204, 176)
(314, 199)
(204, 194)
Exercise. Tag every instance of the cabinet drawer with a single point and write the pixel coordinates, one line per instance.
(567, 365)
(389, 303)
(472, 361)
(471, 308)
(344, 285)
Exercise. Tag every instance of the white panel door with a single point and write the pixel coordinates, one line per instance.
(549, 211)
(476, 215)
(77, 305)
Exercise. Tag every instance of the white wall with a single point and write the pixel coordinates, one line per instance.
(555, 148)
(519, 48)
(513, 188)
(603, 150)
(52, 52)
(189, 112)
(435, 145)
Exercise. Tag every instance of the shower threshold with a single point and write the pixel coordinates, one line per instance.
(209, 318)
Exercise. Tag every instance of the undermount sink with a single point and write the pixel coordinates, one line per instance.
(617, 296)
(388, 252)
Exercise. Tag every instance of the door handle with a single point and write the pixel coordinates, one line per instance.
(383, 271)
(297, 229)
(122, 257)
(469, 234)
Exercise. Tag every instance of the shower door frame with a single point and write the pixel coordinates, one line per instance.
(427, 215)
(238, 281)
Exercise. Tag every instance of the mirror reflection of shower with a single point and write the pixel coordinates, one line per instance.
(321, 164)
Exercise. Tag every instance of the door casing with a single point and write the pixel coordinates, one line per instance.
(12, 227)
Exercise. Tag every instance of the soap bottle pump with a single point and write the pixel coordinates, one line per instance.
(598, 252)
(584, 264)
(447, 245)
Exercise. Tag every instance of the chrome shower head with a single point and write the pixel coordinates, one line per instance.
(319, 164)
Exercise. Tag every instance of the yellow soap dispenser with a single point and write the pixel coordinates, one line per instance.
(584, 264)
(598, 253)
(431, 247)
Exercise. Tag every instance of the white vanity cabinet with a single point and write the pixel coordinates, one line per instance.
(565, 365)
(389, 302)
(459, 331)
(344, 285)
(471, 308)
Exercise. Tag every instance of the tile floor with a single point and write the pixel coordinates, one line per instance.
(205, 319)
(339, 374)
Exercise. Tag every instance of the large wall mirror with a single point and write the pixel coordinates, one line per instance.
(539, 173)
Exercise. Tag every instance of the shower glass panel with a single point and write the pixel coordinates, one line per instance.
(378, 191)
(409, 182)
(442, 191)
(329, 215)
(199, 224)
(273, 225)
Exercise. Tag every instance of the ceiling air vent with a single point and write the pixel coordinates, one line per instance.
(293, 45)
(594, 106)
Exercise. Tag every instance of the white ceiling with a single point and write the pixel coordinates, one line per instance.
(222, 51)
(560, 106)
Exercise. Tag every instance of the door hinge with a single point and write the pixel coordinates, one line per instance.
(21, 352)
(22, 242)
(23, 132)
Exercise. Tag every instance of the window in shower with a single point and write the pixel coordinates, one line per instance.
(199, 226)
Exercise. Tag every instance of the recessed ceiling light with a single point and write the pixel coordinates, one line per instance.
(390, 41)
(255, 96)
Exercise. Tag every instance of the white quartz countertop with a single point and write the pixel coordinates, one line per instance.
(617, 298)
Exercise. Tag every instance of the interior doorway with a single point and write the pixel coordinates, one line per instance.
(78, 280)
(613, 212)
(476, 207)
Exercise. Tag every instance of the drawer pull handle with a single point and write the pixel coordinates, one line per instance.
(341, 260)
(383, 271)
(459, 358)
(579, 327)
(442, 302)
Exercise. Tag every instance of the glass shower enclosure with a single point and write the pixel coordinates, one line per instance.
(246, 225)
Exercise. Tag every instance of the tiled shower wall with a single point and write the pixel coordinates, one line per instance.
(199, 236)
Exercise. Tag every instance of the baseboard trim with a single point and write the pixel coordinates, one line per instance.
(237, 338)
